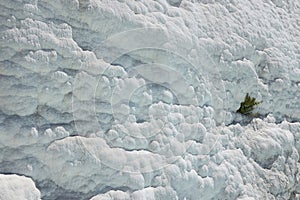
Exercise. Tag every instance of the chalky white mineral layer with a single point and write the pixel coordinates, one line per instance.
(107, 99)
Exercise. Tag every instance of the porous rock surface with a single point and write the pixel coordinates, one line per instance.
(106, 99)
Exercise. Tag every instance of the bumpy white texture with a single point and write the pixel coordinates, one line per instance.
(137, 99)
(15, 187)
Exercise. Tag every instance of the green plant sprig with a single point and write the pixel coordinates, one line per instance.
(247, 106)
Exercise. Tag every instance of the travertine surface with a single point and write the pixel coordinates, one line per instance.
(136, 99)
